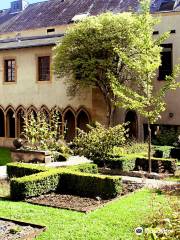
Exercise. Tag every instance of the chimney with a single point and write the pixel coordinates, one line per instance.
(18, 6)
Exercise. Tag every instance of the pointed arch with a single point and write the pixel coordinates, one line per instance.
(44, 109)
(20, 122)
(2, 122)
(82, 119)
(32, 110)
(69, 121)
(10, 123)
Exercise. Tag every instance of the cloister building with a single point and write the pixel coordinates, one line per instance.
(28, 32)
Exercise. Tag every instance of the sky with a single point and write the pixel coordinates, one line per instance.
(6, 3)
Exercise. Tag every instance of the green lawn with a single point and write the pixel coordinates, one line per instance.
(5, 156)
(116, 221)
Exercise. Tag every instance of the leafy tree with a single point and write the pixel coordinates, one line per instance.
(142, 95)
(88, 53)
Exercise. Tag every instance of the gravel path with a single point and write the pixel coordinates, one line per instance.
(3, 174)
(150, 183)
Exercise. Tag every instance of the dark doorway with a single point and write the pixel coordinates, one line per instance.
(10, 119)
(69, 125)
(131, 117)
(82, 120)
(2, 132)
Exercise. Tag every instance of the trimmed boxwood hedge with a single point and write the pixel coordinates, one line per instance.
(135, 162)
(175, 153)
(90, 185)
(159, 165)
(34, 185)
(66, 181)
(85, 168)
(24, 169)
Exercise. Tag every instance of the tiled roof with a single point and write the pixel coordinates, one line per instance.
(58, 12)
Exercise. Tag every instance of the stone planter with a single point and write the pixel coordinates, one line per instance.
(30, 156)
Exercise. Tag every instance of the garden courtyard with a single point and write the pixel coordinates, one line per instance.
(79, 178)
(117, 218)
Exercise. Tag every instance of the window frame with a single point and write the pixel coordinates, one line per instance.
(5, 79)
(37, 68)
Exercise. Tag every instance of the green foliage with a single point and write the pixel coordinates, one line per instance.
(17, 170)
(159, 165)
(143, 59)
(162, 151)
(99, 141)
(24, 169)
(97, 50)
(91, 185)
(66, 181)
(5, 156)
(85, 168)
(136, 162)
(166, 137)
(163, 225)
(131, 147)
(115, 221)
(34, 185)
(43, 134)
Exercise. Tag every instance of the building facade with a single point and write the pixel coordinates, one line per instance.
(28, 34)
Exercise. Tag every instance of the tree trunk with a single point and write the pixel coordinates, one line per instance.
(149, 147)
(109, 113)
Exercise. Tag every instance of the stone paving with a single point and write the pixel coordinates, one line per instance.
(3, 173)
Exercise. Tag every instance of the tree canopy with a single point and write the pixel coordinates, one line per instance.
(89, 53)
(142, 94)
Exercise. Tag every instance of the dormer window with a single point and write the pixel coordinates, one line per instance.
(50, 30)
(18, 6)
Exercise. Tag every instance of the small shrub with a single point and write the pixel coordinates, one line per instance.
(99, 141)
(43, 134)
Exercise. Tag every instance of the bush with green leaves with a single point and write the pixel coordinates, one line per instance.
(162, 151)
(64, 180)
(43, 134)
(99, 141)
(166, 137)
